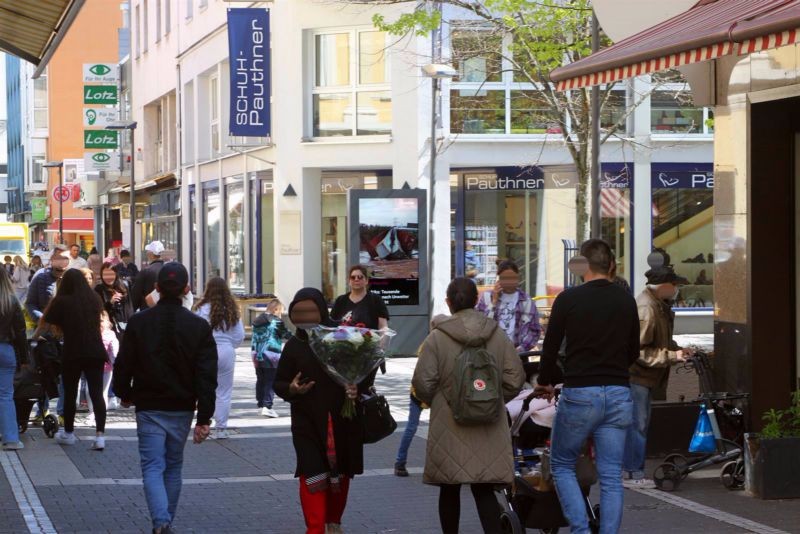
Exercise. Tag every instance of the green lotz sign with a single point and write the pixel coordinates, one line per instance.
(100, 139)
(100, 94)
(38, 209)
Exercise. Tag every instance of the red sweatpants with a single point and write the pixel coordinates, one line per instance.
(323, 506)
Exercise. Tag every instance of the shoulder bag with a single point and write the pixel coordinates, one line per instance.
(376, 418)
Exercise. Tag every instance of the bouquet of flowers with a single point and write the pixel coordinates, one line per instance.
(349, 354)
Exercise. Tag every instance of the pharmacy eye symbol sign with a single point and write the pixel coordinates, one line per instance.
(99, 70)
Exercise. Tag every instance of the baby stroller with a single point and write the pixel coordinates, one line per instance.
(726, 414)
(35, 384)
(531, 501)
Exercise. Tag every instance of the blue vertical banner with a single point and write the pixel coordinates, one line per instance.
(250, 60)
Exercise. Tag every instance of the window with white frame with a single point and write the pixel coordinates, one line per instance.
(351, 94)
(138, 36)
(202, 4)
(40, 120)
(167, 16)
(189, 8)
(145, 37)
(672, 111)
(38, 172)
(158, 20)
(213, 96)
(488, 96)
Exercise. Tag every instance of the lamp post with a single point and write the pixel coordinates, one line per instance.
(436, 72)
(130, 125)
(60, 166)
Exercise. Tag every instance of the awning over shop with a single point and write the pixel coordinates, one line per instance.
(32, 30)
(709, 30)
(73, 226)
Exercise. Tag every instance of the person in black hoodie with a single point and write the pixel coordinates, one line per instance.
(146, 279)
(329, 447)
(167, 367)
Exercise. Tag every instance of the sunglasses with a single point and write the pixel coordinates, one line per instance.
(357, 277)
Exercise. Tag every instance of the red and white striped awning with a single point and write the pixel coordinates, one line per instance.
(710, 30)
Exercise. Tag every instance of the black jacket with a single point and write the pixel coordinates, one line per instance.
(119, 312)
(40, 291)
(144, 284)
(170, 355)
(310, 411)
(12, 331)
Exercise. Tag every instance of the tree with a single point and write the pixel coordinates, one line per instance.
(545, 34)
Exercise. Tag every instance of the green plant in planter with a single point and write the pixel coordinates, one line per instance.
(783, 423)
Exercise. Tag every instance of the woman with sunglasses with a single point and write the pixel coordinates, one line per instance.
(359, 306)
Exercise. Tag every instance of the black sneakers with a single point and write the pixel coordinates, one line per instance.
(400, 470)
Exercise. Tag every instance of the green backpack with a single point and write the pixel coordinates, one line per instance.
(477, 399)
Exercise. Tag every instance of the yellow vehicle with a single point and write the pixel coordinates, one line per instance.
(15, 240)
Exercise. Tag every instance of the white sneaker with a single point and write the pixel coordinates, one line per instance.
(99, 443)
(271, 413)
(638, 483)
(65, 438)
(264, 411)
(13, 446)
(221, 434)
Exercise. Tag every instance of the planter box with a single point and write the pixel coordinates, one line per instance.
(772, 467)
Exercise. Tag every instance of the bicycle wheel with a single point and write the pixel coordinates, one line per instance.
(510, 523)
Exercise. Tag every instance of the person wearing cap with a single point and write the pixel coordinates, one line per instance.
(167, 368)
(657, 352)
(145, 281)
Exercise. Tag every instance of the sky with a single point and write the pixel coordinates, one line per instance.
(388, 211)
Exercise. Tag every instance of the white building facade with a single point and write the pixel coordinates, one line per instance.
(351, 109)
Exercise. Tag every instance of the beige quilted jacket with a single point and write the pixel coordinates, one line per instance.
(459, 454)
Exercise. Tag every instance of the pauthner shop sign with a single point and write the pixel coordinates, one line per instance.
(249, 49)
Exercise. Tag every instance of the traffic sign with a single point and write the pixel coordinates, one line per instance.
(61, 193)
(99, 117)
(100, 161)
(99, 94)
(100, 72)
(100, 139)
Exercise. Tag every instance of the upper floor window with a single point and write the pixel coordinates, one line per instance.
(158, 20)
(351, 94)
(167, 16)
(145, 38)
(189, 8)
(672, 111)
(137, 35)
(40, 120)
(213, 95)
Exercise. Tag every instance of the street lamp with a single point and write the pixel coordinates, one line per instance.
(130, 125)
(60, 166)
(436, 72)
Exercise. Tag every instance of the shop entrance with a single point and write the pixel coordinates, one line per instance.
(772, 254)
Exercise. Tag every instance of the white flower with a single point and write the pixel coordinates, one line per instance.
(355, 338)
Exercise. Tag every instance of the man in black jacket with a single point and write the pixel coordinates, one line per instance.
(167, 366)
(145, 281)
(600, 322)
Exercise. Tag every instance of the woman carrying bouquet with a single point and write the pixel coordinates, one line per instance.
(478, 454)
(328, 446)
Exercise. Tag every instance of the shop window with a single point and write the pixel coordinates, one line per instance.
(477, 55)
(334, 226)
(673, 111)
(613, 110)
(506, 217)
(615, 214)
(211, 229)
(235, 236)
(351, 94)
(264, 236)
(192, 233)
(683, 223)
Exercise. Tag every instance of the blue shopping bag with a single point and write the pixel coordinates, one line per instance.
(703, 438)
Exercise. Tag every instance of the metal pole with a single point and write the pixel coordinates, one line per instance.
(595, 186)
(133, 198)
(60, 205)
(432, 193)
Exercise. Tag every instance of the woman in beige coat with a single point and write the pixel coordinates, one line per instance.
(479, 455)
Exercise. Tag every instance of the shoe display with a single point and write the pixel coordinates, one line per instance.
(99, 443)
(65, 438)
(639, 483)
(13, 446)
(400, 470)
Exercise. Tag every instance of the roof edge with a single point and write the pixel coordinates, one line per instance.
(69, 17)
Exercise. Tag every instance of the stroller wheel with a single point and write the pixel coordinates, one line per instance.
(667, 477)
(510, 524)
(50, 425)
(680, 462)
(732, 475)
(22, 427)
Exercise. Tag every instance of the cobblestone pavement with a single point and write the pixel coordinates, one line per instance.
(245, 483)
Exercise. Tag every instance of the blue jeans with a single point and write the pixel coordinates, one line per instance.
(162, 437)
(636, 440)
(8, 412)
(414, 411)
(603, 413)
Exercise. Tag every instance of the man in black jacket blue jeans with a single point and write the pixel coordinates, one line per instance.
(167, 367)
(600, 322)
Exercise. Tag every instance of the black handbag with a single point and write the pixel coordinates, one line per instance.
(376, 418)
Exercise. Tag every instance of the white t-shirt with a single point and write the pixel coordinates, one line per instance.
(506, 313)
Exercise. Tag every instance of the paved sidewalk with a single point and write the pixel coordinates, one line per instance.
(245, 484)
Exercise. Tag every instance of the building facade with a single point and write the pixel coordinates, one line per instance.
(352, 110)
